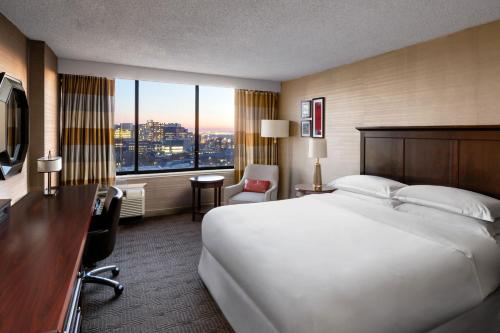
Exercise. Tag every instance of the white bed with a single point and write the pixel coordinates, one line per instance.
(334, 263)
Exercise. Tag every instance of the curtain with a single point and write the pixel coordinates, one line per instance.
(87, 144)
(250, 108)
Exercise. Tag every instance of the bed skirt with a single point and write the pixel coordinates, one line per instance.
(240, 311)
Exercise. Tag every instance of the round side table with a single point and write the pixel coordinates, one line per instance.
(306, 189)
(200, 182)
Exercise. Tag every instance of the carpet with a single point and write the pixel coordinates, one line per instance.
(158, 259)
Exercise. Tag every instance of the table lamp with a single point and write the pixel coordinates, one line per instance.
(317, 150)
(274, 129)
(49, 164)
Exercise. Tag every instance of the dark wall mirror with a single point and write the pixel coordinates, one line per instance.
(14, 126)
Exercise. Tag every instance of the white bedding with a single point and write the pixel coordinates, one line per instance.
(333, 263)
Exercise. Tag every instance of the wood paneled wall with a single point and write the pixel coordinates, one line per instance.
(14, 61)
(452, 80)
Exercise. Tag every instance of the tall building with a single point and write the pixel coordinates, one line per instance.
(124, 131)
(174, 131)
(151, 131)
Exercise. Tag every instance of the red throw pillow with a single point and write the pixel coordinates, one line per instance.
(254, 185)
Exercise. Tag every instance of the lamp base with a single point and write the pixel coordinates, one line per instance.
(52, 192)
(317, 181)
(49, 191)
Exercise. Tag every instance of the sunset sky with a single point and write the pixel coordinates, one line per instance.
(175, 103)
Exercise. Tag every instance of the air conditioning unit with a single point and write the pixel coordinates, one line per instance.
(134, 200)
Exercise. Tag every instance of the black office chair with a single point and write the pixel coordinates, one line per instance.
(101, 241)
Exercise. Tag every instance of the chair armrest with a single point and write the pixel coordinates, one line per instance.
(97, 232)
(230, 191)
(272, 193)
(97, 236)
(98, 222)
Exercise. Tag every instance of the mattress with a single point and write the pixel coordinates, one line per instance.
(333, 263)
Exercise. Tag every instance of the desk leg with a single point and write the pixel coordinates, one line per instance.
(193, 190)
(199, 199)
(215, 197)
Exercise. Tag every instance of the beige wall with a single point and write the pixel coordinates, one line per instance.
(43, 101)
(447, 81)
(14, 61)
(171, 192)
(116, 71)
(35, 65)
(51, 102)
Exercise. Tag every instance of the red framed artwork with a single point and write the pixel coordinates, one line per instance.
(318, 117)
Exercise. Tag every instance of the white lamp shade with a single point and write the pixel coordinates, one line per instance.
(49, 164)
(274, 128)
(317, 148)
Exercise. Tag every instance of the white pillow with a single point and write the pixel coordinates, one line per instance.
(462, 223)
(451, 199)
(368, 185)
(388, 202)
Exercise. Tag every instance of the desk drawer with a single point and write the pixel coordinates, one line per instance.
(73, 316)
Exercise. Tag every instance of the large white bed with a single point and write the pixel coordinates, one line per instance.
(337, 263)
(353, 262)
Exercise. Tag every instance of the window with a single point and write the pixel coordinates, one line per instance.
(216, 127)
(125, 125)
(166, 126)
(161, 127)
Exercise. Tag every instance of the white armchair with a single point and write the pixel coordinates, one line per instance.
(234, 194)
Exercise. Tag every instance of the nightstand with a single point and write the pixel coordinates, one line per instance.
(306, 189)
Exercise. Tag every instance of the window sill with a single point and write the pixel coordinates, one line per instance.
(172, 174)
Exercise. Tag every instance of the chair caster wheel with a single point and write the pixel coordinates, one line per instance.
(115, 271)
(118, 290)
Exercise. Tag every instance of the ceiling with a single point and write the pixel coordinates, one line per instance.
(261, 39)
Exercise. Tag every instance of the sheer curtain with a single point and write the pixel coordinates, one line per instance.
(250, 108)
(87, 142)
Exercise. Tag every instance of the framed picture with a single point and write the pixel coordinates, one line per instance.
(318, 117)
(305, 109)
(305, 128)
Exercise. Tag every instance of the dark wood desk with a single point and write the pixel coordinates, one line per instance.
(40, 252)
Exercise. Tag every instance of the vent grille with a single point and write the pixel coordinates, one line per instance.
(133, 203)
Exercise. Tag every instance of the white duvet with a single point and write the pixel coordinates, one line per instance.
(331, 263)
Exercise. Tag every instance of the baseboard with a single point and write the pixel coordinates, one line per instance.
(167, 211)
(174, 210)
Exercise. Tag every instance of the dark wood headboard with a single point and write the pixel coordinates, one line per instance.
(466, 157)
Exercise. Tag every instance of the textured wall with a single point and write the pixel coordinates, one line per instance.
(43, 100)
(171, 193)
(36, 66)
(51, 102)
(453, 80)
(36, 103)
(14, 61)
(80, 67)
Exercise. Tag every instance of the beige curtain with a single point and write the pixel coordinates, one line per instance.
(87, 143)
(250, 108)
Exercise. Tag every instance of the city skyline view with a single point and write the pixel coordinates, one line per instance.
(167, 146)
(166, 127)
(166, 102)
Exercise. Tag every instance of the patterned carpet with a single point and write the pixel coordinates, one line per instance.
(158, 260)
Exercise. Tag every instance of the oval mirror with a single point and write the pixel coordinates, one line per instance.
(14, 124)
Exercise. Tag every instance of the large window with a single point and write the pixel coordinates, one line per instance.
(166, 126)
(161, 127)
(216, 114)
(125, 125)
